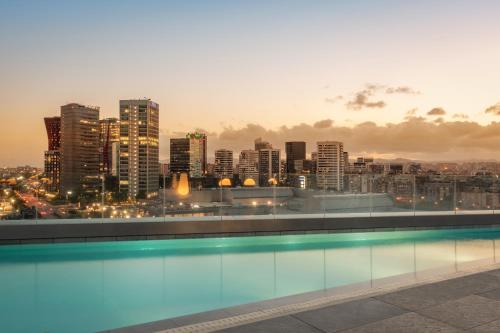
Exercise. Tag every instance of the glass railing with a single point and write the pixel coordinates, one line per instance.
(287, 196)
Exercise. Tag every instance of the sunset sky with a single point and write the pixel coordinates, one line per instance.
(365, 72)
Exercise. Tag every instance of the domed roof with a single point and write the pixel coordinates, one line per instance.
(249, 182)
(273, 181)
(225, 182)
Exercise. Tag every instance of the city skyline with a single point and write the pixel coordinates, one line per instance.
(365, 73)
(243, 139)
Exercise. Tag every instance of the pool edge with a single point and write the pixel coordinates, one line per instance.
(219, 319)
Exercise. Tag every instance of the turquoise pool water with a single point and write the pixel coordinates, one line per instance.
(87, 287)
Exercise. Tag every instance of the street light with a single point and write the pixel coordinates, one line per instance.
(164, 190)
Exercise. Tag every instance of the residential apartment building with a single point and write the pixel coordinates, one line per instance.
(139, 148)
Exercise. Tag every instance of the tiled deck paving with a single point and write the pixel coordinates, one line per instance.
(466, 304)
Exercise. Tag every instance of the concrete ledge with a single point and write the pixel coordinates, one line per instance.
(22, 233)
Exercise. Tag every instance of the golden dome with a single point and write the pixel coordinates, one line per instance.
(225, 182)
(273, 181)
(249, 182)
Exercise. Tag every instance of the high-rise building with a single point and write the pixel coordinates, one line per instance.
(361, 165)
(179, 155)
(261, 144)
(52, 156)
(109, 133)
(314, 162)
(164, 169)
(210, 168)
(248, 165)
(139, 148)
(197, 154)
(396, 169)
(295, 151)
(53, 127)
(115, 158)
(330, 165)
(52, 169)
(269, 166)
(223, 163)
(79, 148)
(282, 175)
(346, 161)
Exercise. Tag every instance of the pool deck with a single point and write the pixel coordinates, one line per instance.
(465, 304)
(467, 301)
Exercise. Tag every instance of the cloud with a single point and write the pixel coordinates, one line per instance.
(333, 100)
(436, 112)
(495, 109)
(460, 116)
(360, 101)
(411, 113)
(402, 90)
(361, 98)
(323, 123)
(412, 138)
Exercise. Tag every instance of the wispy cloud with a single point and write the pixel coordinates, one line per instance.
(323, 123)
(333, 100)
(460, 116)
(364, 98)
(402, 90)
(495, 109)
(411, 113)
(436, 112)
(361, 99)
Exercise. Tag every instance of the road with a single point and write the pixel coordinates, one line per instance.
(43, 208)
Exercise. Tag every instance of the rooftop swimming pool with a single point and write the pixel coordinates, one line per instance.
(88, 287)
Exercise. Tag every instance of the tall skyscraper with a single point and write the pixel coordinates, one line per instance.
(79, 148)
(109, 133)
(248, 164)
(346, 161)
(115, 158)
(295, 151)
(261, 144)
(197, 154)
(179, 155)
(52, 156)
(314, 162)
(223, 163)
(330, 165)
(53, 127)
(269, 166)
(139, 148)
(164, 169)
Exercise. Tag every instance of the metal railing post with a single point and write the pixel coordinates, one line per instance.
(163, 206)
